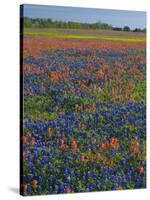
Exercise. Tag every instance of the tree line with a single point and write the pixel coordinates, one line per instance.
(49, 23)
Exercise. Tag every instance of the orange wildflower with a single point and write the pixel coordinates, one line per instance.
(54, 76)
(29, 134)
(100, 74)
(68, 190)
(33, 141)
(135, 145)
(83, 158)
(103, 145)
(74, 144)
(114, 143)
(34, 182)
(62, 144)
(49, 132)
(78, 106)
(141, 169)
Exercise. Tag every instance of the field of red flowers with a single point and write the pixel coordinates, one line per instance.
(84, 123)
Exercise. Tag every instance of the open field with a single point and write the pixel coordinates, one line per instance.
(84, 125)
(87, 34)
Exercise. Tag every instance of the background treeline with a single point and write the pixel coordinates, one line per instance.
(49, 23)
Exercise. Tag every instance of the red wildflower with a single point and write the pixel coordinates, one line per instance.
(24, 138)
(24, 186)
(135, 146)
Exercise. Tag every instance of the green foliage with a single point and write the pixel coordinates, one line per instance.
(126, 28)
(140, 91)
(27, 22)
(48, 23)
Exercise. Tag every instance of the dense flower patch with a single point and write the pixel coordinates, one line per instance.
(84, 116)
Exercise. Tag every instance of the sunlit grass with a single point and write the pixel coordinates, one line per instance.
(76, 36)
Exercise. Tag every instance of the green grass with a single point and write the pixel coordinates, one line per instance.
(87, 34)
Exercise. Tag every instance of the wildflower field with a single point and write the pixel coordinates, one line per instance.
(84, 112)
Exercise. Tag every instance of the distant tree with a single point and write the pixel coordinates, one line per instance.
(139, 30)
(27, 22)
(106, 26)
(49, 23)
(126, 28)
(116, 28)
(144, 30)
(135, 30)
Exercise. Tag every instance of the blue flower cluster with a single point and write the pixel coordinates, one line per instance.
(84, 125)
